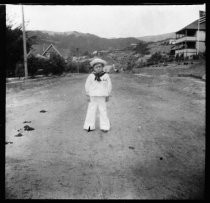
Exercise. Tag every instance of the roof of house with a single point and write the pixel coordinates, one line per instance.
(40, 56)
(51, 46)
(64, 53)
(193, 26)
(29, 53)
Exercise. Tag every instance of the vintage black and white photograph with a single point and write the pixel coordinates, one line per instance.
(105, 101)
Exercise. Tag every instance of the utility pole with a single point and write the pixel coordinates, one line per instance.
(24, 46)
(198, 32)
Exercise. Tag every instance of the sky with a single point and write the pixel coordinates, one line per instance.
(113, 21)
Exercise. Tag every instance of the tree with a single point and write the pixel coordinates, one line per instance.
(142, 48)
(86, 53)
(84, 67)
(155, 58)
(58, 64)
(74, 51)
(14, 47)
(19, 70)
(71, 67)
(131, 63)
(33, 65)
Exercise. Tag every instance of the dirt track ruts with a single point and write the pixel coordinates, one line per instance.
(155, 149)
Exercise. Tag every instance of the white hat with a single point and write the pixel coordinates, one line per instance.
(97, 60)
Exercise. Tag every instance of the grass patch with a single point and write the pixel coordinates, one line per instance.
(196, 70)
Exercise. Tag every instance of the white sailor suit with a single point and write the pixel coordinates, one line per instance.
(98, 91)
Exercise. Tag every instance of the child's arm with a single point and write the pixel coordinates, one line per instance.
(88, 98)
(109, 84)
(87, 85)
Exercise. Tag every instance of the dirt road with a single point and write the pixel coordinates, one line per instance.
(155, 149)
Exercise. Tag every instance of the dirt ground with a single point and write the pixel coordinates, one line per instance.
(155, 149)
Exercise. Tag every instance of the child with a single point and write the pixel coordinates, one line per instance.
(98, 88)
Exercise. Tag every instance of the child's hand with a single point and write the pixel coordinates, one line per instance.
(107, 99)
(88, 98)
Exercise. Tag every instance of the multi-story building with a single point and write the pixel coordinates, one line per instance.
(190, 40)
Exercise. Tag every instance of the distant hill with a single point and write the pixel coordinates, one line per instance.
(156, 38)
(73, 42)
(69, 42)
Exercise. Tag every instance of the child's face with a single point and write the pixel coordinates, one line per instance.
(98, 68)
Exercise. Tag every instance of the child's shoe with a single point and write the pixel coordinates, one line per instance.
(105, 131)
(88, 130)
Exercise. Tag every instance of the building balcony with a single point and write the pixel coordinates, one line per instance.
(186, 52)
(187, 38)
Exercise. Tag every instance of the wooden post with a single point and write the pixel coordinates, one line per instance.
(198, 37)
(24, 46)
(186, 41)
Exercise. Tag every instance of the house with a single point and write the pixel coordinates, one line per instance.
(190, 41)
(103, 52)
(172, 41)
(133, 45)
(95, 53)
(109, 68)
(51, 50)
(33, 52)
(80, 59)
(39, 52)
(40, 56)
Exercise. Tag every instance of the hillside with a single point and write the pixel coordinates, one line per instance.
(68, 42)
(156, 38)
(160, 46)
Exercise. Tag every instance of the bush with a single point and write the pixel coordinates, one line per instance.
(72, 67)
(170, 59)
(155, 58)
(36, 64)
(45, 66)
(142, 48)
(58, 64)
(84, 67)
(149, 63)
(131, 63)
(32, 65)
(19, 70)
(14, 47)
(140, 65)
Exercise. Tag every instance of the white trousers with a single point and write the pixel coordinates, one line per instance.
(100, 103)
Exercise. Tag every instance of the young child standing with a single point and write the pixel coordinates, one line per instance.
(98, 88)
